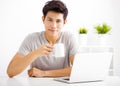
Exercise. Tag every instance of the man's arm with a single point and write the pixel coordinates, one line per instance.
(20, 62)
(34, 72)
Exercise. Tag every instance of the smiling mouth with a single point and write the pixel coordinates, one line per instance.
(53, 30)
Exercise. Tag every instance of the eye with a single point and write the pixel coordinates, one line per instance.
(58, 21)
(49, 19)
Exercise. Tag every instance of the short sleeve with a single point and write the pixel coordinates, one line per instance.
(25, 47)
(73, 44)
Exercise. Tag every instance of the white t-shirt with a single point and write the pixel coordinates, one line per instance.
(35, 40)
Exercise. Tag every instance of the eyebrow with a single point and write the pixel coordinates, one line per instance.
(49, 17)
(52, 18)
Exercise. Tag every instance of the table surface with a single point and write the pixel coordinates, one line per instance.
(27, 81)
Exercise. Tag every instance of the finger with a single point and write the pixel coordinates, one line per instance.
(50, 43)
(29, 73)
(49, 48)
(47, 53)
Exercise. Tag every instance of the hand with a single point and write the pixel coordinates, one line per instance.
(44, 50)
(34, 72)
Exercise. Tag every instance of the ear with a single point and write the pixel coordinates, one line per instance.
(65, 21)
(43, 18)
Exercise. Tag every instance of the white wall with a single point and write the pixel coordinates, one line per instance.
(21, 17)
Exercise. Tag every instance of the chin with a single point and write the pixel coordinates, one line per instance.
(54, 34)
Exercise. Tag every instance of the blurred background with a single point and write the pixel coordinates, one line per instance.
(18, 18)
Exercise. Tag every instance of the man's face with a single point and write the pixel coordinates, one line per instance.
(53, 22)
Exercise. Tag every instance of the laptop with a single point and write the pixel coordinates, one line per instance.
(89, 67)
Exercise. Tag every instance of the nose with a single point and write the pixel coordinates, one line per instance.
(54, 25)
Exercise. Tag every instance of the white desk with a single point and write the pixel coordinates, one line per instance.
(26, 81)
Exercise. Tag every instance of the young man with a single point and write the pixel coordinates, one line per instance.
(36, 47)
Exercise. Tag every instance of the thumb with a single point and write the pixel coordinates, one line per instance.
(51, 43)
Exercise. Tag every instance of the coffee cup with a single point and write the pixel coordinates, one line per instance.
(58, 50)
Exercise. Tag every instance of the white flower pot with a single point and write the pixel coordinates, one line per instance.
(103, 39)
(83, 39)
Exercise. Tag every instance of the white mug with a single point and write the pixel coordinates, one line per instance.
(58, 50)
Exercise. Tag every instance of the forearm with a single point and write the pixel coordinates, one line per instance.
(19, 63)
(58, 72)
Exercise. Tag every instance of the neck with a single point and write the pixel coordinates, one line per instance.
(52, 39)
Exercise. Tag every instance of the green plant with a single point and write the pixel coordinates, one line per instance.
(102, 29)
(83, 30)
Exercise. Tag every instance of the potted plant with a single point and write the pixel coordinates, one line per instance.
(103, 30)
(83, 30)
(83, 36)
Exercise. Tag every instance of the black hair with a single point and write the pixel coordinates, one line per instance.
(56, 6)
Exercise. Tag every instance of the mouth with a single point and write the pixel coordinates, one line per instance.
(51, 30)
